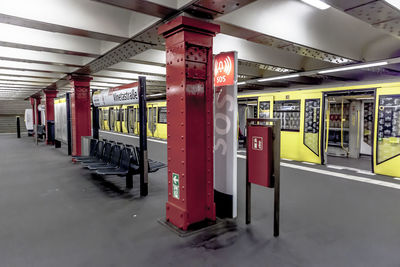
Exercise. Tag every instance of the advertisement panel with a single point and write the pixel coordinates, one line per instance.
(121, 95)
(225, 134)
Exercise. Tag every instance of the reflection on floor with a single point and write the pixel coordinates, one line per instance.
(363, 163)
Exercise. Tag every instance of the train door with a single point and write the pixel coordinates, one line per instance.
(111, 113)
(247, 108)
(118, 114)
(386, 138)
(137, 120)
(106, 118)
(101, 119)
(152, 120)
(131, 119)
(311, 118)
(124, 119)
(348, 128)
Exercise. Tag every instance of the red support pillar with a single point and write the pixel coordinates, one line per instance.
(80, 111)
(49, 97)
(190, 120)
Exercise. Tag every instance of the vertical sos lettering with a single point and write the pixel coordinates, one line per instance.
(223, 123)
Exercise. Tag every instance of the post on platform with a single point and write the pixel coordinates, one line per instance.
(263, 162)
(95, 120)
(69, 130)
(36, 121)
(143, 138)
(18, 128)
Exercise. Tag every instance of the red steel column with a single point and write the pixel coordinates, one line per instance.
(190, 120)
(80, 111)
(49, 97)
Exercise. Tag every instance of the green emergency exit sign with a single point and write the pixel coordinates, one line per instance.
(175, 185)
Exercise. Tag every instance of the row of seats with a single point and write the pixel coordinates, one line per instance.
(110, 158)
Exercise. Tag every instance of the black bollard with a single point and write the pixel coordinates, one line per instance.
(18, 128)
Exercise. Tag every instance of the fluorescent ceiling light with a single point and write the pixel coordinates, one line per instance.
(241, 83)
(159, 94)
(354, 67)
(317, 3)
(279, 78)
(395, 3)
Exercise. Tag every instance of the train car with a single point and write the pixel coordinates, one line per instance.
(316, 124)
(125, 119)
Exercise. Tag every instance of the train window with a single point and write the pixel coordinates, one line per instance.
(162, 115)
(289, 114)
(264, 110)
(311, 124)
(388, 133)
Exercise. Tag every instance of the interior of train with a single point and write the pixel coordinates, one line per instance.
(348, 128)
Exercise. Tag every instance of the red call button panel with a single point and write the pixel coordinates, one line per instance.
(259, 153)
(224, 69)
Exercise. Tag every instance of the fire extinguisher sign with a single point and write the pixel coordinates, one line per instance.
(175, 185)
(257, 143)
(224, 69)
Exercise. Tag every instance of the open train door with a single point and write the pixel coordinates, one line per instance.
(152, 119)
(386, 147)
(312, 126)
(265, 107)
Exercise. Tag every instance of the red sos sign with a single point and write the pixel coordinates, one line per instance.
(224, 69)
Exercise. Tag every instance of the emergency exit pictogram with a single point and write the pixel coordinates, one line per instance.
(175, 185)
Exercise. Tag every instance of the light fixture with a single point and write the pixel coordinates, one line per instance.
(394, 3)
(354, 67)
(241, 83)
(317, 3)
(159, 94)
(279, 78)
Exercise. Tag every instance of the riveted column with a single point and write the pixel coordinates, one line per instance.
(189, 120)
(80, 111)
(50, 95)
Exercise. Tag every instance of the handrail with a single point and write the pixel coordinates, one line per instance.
(342, 120)
(327, 127)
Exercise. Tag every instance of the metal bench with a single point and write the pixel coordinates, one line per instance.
(124, 168)
(112, 163)
(92, 151)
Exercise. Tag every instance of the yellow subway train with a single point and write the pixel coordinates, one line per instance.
(352, 122)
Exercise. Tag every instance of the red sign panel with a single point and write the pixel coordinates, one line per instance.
(224, 69)
(260, 155)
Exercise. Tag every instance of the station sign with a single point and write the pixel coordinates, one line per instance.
(121, 95)
(225, 134)
(224, 69)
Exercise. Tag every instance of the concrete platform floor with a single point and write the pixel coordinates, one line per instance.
(54, 213)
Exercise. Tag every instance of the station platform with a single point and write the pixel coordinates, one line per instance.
(54, 213)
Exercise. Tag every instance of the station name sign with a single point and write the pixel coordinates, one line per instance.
(224, 69)
(121, 95)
